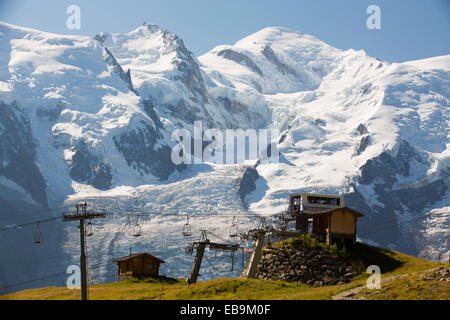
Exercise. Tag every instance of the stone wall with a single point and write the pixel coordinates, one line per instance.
(312, 265)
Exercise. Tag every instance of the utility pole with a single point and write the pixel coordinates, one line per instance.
(198, 258)
(250, 272)
(259, 236)
(81, 216)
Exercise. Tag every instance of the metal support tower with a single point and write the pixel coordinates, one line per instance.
(82, 216)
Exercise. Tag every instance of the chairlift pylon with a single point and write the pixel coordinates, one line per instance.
(233, 229)
(37, 235)
(137, 228)
(187, 230)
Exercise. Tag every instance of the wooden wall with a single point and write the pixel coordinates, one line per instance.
(140, 266)
(343, 222)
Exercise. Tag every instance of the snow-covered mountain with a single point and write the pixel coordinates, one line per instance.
(91, 119)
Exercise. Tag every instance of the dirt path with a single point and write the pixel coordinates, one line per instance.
(352, 294)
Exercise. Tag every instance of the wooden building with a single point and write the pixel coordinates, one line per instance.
(336, 225)
(140, 265)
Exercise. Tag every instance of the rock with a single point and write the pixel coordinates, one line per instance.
(315, 267)
(307, 275)
(330, 261)
(350, 275)
(313, 263)
(348, 295)
(327, 280)
(318, 283)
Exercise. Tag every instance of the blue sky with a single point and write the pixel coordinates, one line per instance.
(411, 29)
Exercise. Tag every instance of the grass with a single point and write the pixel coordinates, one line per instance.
(131, 289)
(412, 287)
(390, 262)
(218, 289)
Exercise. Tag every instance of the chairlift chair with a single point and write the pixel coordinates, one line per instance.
(187, 230)
(89, 231)
(244, 237)
(37, 235)
(233, 230)
(137, 228)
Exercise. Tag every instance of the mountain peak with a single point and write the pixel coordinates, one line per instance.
(279, 35)
(146, 29)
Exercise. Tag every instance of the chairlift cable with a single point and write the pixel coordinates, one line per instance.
(34, 213)
(211, 264)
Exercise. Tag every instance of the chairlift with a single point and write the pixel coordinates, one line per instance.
(189, 249)
(233, 229)
(187, 230)
(89, 231)
(37, 235)
(137, 228)
(244, 237)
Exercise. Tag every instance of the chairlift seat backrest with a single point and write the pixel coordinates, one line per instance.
(37, 235)
(137, 230)
(89, 231)
(187, 230)
(233, 231)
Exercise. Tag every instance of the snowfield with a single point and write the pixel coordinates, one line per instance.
(90, 119)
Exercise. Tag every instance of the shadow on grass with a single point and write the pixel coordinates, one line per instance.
(362, 256)
(159, 279)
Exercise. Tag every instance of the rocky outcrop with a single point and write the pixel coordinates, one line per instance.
(138, 146)
(17, 153)
(248, 182)
(382, 175)
(281, 66)
(363, 144)
(241, 59)
(243, 117)
(189, 70)
(102, 177)
(85, 167)
(442, 274)
(312, 265)
(125, 76)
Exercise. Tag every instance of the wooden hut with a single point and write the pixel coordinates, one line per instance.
(335, 225)
(138, 265)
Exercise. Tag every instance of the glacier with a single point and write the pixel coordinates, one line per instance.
(90, 119)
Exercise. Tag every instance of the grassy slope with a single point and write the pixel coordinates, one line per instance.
(412, 287)
(390, 262)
